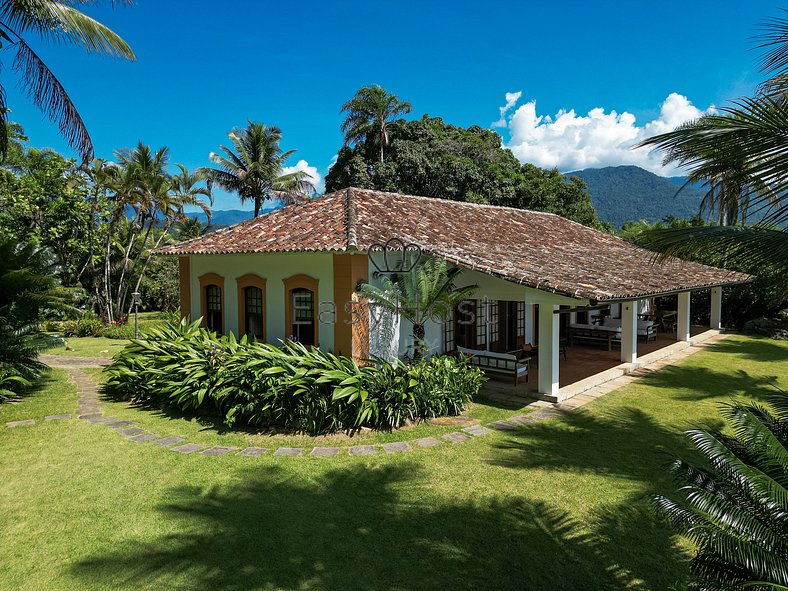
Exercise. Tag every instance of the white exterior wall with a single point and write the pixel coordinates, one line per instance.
(492, 288)
(274, 268)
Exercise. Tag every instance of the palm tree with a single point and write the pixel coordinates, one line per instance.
(742, 152)
(190, 228)
(428, 292)
(368, 115)
(59, 22)
(252, 168)
(735, 508)
(171, 195)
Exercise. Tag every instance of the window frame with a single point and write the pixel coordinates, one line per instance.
(301, 281)
(242, 283)
(207, 280)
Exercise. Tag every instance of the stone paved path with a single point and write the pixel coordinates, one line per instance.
(89, 410)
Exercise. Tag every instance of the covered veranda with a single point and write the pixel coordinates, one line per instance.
(561, 366)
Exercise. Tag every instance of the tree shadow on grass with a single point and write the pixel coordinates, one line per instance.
(692, 383)
(754, 348)
(351, 529)
(630, 449)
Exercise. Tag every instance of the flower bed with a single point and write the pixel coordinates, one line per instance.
(305, 390)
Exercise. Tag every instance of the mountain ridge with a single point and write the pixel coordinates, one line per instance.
(630, 193)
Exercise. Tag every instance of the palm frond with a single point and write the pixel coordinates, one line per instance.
(57, 21)
(50, 96)
(742, 248)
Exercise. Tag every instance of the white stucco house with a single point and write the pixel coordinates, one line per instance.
(294, 272)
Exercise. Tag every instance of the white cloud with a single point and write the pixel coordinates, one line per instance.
(303, 166)
(511, 100)
(570, 141)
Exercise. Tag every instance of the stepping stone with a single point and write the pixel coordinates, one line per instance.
(92, 415)
(288, 451)
(57, 417)
(362, 450)
(324, 451)
(456, 437)
(545, 413)
(187, 448)
(427, 442)
(522, 420)
(21, 423)
(218, 450)
(144, 437)
(131, 431)
(502, 426)
(119, 424)
(166, 441)
(395, 447)
(477, 430)
(252, 452)
(98, 420)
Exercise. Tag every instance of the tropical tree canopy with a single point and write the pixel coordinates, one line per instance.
(369, 113)
(427, 292)
(252, 168)
(59, 22)
(431, 158)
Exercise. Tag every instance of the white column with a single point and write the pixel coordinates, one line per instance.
(629, 331)
(529, 322)
(548, 349)
(716, 308)
(683, 320)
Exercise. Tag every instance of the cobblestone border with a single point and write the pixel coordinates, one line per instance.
(89, 409)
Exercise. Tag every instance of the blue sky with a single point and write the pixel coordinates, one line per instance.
(205, 67)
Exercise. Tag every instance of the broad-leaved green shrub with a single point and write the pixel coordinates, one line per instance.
(289, 386)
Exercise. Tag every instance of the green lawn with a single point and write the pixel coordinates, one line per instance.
(562, 504)
(102, 346)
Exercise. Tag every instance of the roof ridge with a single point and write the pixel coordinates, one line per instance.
(461, 203)
(350, 219)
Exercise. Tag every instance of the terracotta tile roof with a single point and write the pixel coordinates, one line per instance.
(531, 248)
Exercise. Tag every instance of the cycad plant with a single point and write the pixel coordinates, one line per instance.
(28, 289)
(428, 292)
(735, 508)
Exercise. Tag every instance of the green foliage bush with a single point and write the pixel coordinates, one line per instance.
(118, 331)
(291, 386)
(87, 326)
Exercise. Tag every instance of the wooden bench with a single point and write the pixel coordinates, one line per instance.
(500, 363)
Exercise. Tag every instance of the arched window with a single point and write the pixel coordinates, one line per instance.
(253, 311)
(301, 309)
(213, 308)
(212, 301)
(251, 305)
(303, 327)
